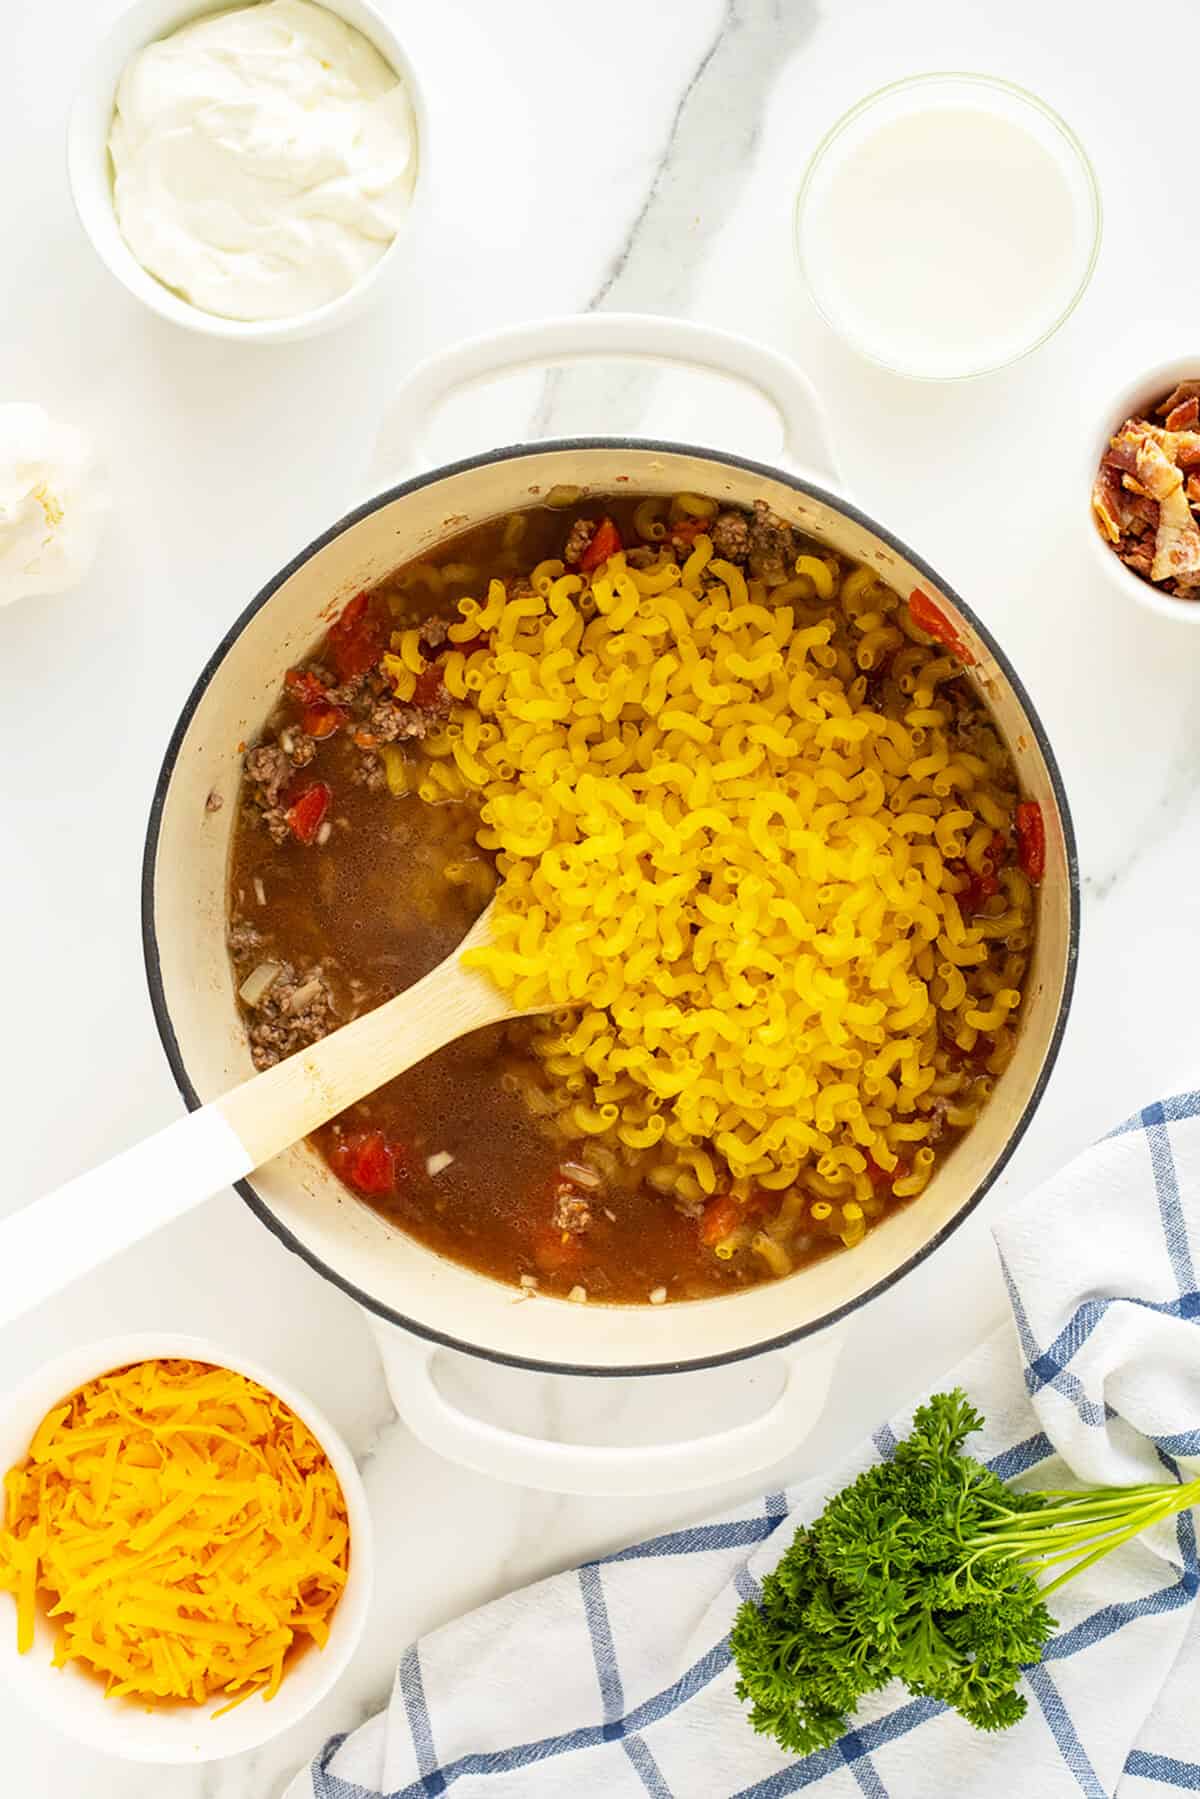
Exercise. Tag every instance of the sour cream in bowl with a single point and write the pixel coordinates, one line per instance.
(250, 172)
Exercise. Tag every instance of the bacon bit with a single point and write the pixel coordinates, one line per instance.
(605, 542)
(357, 639)
(933, 621)
(1185, 416)
(1154, 463)
(1186, 449)
(1031, 835)
(1106, 500)
(1177, 542)
(367, 1161)
(307, 811)
(1156, 474)
(1122, 449)
(321, 721)
(1178, 396)
(304, 687)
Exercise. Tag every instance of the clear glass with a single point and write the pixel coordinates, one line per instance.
(947, 225)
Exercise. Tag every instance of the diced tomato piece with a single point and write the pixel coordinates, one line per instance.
(357, 640)
(321, 720)
(933, 621)
(687, 530)
(307, 811)
(979, 888)
(428, 689)
(1031, 836)
(366, 1161)
(606, 541)
(879, 1177)
(304, 687)
(721, 1215)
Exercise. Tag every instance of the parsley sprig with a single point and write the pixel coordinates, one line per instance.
(925, 1569)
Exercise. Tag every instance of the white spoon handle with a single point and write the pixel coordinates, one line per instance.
(62, 1236)
(69, 1232)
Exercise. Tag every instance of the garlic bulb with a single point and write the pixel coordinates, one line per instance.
(51, 503)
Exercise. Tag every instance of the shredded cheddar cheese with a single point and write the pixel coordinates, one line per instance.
(184, 1528)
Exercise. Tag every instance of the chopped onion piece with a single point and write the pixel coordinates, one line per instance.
(578, 1296)
(258, 983)
(529, 1282)
(658, 1296)
(580, 1173)
(304, 995)
(435, 1164)
(260, 892)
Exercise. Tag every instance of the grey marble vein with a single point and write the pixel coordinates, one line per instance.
(705, 162)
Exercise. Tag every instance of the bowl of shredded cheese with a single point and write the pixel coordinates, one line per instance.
(185, 1546)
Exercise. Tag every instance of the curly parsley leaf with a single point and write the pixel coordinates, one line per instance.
(925, 1570)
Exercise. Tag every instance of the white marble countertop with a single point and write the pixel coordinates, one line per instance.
(628, 157)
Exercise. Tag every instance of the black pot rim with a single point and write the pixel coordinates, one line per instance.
(166, 1030)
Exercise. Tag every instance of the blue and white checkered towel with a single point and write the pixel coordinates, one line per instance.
(634, 1688)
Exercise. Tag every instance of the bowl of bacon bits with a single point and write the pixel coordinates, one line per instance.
(186, 1548)
(1145, 499)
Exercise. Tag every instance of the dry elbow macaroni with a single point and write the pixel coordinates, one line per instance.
(723, 844)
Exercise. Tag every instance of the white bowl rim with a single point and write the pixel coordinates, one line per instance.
(1133, 396)
(160, 18)
(113, 1726)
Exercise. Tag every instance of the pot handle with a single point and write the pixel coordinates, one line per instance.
(590, 336)
(597, 1470)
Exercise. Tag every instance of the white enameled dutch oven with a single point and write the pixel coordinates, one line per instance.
(401, 1283)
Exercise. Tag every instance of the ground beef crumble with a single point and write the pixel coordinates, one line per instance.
(369, 772)
(298, 747)
(268, 770)
(434, 633)
(296, 1010)
(244, 939)
(572, 1213)
(578, 539)
(772, 547)
(394, 721)
(731, 536)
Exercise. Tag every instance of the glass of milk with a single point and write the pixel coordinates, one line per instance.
(947, 225)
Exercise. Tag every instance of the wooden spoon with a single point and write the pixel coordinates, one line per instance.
(68, 1232)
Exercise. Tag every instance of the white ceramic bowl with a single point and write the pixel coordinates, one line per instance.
(927, 94)
(1139, 395)
(73, 1701)
(90, 171)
